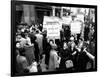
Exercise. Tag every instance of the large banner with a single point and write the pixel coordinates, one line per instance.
(53, 26)
(76, 27)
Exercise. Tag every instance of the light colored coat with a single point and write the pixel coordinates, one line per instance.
(39, 40)
(53, 61)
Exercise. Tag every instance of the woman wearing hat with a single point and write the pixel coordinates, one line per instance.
(54, 59)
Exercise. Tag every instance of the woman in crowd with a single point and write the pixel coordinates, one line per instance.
(23, 39)
(46, 49)
(21, 60)
(39, 40)
(28, 40)
(65, 55)
(36, 52)
(73, 51)
(72, 45)
(54, 59)
(82, 58)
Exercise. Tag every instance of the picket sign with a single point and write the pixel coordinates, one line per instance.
(66, 20)
(80, 17)
(76, 27)
(53, 26)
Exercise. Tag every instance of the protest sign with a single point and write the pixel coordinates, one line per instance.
(53, 26)
(66, 20)
(76, 27)
(80, 17)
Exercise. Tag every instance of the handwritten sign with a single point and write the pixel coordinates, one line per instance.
(53, 26)
(76, 27)
(80, 17)
(66, 20)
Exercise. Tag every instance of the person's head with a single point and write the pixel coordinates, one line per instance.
(80, 39)
(17, 45)
(18, 36)
(34, 39)
(72, 45)
(26, 35)
(51, 42)
(17, 51)
(18, 30)
(23, 34)
(72, 39)
(66, 28)
(37, 31)
(80, 43)
(22, 30)
(54, 46)
(26, 31)
(33, 29)
(65, 46)
(40, 24)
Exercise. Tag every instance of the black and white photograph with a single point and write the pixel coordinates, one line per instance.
(52, 38)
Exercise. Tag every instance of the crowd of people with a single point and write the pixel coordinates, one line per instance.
(35, 53)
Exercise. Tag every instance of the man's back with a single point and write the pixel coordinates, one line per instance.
(39, 40)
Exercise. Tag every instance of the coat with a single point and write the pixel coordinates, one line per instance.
(53, 60)
(21, 64)
(39, 40)
(65, 55)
